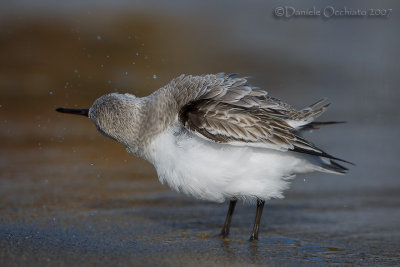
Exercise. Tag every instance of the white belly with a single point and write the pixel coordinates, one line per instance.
(216, 172)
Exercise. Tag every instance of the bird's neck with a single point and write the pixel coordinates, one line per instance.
(160, 112)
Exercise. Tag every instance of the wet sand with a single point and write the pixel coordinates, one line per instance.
(80, 206)
(69, 196)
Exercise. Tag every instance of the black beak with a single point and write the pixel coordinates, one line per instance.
(83, 112)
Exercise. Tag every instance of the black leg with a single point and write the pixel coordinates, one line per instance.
(260, 206)
(225, 231)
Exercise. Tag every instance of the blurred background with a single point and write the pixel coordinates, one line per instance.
(70, 196)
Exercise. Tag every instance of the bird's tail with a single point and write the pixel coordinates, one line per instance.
(316, 124)
(330, 166)
(314, 110)
(308, 114)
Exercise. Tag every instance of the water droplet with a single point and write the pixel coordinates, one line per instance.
(38, 125)
(133, 63)
(126, 73)
(304, 179)
(137, 53)
(91, 164)
(102, 65)
(154, 77)
(51, 92)
(76, 70)
(107, 56)
(98, 37)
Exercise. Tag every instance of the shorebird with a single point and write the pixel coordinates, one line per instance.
(216, 138)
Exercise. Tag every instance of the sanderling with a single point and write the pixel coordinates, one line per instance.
(214, 137)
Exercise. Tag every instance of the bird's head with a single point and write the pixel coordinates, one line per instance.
(118, 116)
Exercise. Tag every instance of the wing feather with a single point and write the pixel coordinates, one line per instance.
(225, 109)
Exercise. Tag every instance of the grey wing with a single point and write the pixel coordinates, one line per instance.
(235, 113)
(229, 89)
(226, 123)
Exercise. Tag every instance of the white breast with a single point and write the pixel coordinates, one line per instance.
(216, 172)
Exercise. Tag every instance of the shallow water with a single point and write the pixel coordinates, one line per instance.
(69, 196)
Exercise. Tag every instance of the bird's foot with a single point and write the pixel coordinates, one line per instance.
(224, 233)
(253, 238)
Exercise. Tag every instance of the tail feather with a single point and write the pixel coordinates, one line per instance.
(316, 103)
(316, 124)
(314, 110)
(304, 120)
(338, 166)
(334, 167)
(308, 114)
(330, 166)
